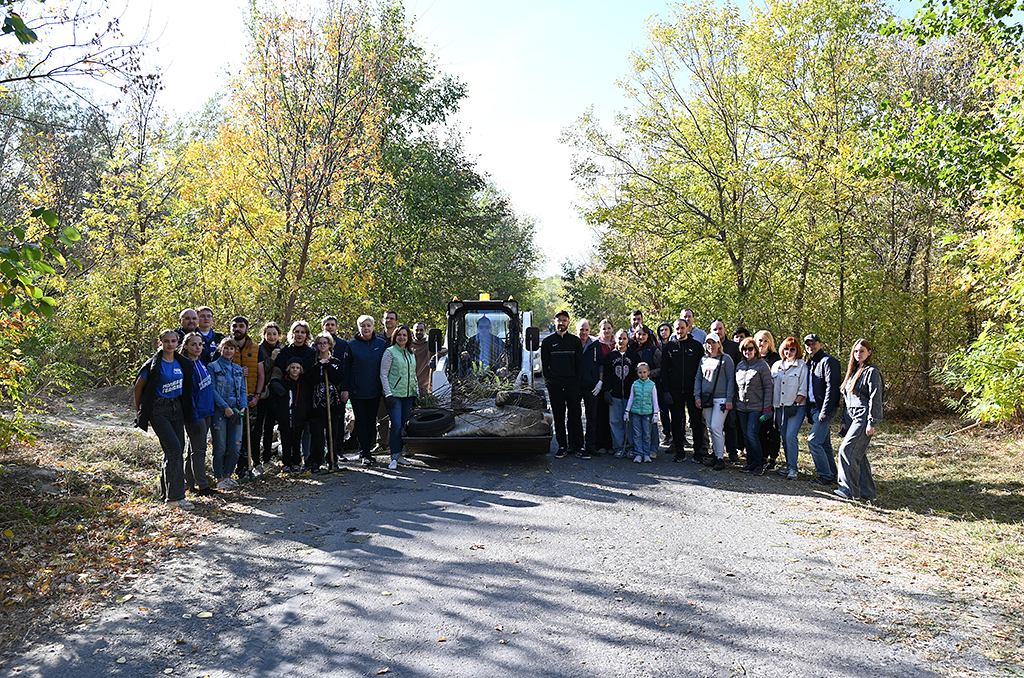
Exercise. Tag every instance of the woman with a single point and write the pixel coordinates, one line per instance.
(770, 436)
(617, 376)
(299, 346)
(714, 386)
(645, 345)
(399, 385)
(226, 426)
(754, 389)
(325, 382)
(863, 389)
(665, 336)
(598, 436)
(198, 426)
(362, 383)
(163, 399)
(789, 379)
(270, 348)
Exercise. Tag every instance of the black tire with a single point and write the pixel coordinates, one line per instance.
(526, 399)
(429, 423)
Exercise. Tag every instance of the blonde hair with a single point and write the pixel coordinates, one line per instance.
(768, 335)
(303, 324)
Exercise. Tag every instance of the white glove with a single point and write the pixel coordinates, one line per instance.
(597, 389)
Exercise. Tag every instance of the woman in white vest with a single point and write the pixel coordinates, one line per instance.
(398, 381)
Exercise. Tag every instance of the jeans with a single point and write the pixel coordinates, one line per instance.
(615, 413)
(399, 415)
(643, 427)
(819, 441)
(195, 457)
(750, 423)
(365, 412)
(169, 426)
(854, 468)
(714, 418)
(565, 400)
(789, 427)
(227, 442)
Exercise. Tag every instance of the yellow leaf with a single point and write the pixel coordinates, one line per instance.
(8, 533)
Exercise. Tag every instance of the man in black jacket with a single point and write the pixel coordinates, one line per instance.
(680, 360)
(823, 374)
(561, 359)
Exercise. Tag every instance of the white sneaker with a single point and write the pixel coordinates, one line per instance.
(393, 465)
(227, 484)
(654, 455)
(181, 503)
(638, 459)
(258, 471)
(404, 462)
(791, 475)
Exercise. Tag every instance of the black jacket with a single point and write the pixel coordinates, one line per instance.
(292, 400)
(620, 372)
(593, 362)
(145, 412)
(561, 358)
(680, 361)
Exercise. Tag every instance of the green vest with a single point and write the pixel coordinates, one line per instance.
(402, 375)
(643, 396)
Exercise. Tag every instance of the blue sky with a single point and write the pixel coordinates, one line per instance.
(532, 68)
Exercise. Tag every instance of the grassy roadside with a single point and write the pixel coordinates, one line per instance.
(953, 507)
(78, 516)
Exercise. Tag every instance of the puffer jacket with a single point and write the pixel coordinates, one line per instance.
(754, 386)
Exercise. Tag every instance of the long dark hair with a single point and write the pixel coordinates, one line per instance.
(408, 334)
(851, 379)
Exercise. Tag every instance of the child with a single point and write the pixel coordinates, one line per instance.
(293, 404)
(226, 428)
(640, 410)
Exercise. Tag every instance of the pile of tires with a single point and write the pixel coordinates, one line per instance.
(430, 423)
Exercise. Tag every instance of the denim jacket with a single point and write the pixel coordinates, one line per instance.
(228, 384)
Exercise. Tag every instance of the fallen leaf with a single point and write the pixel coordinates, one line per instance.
(8, 533)
(125, 599)
(386, 669)
(168, 671)
(441, 640)
(204, 615)
(385, 593)
(186, 616)
(122, 660)
(499, 627)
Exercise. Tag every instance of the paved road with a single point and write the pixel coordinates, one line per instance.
(535, 567)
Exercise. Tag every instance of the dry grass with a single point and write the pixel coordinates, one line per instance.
(954, 508)
(78, 515)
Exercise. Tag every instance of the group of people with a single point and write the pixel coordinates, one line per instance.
(739, 392)
(202, 384)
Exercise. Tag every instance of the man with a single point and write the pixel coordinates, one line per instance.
(689, 318)
(824, 376)
(680, 360)
(739, 334)
(636, 321)
(211, 339)
(561, 359)
(330, 325)
(733, 436)
(189, 320)
(425, 360)
(248, 356)
(390, 322)
(484, 349)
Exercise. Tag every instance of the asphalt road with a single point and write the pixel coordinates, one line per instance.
(529, 567)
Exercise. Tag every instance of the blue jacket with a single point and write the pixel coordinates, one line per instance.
(228, 384)
(362, 367)
(823, 371)
(203, 402)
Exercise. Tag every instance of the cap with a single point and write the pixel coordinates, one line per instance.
(813, 337)
(562, 312)
(713, 336)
